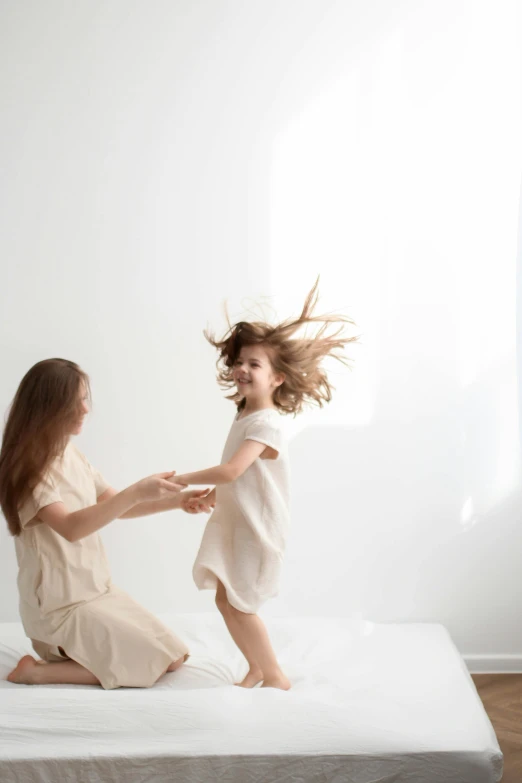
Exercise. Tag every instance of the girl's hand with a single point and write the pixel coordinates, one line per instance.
(198, 501)
(157, 487)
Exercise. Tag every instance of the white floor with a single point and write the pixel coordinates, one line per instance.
(386, 703)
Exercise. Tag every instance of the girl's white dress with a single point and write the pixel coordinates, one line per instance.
(244, 540)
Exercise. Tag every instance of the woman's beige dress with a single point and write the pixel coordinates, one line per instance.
(68, 604)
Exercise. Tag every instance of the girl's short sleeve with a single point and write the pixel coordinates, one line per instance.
(43, 495)
(266, 432)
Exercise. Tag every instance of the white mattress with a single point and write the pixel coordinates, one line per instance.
(386, 703)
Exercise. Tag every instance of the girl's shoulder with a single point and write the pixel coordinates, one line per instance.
(266, 419)
(266, 414)
(268, 423)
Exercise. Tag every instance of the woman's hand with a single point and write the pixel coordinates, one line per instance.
(157, 487)
(198, 501)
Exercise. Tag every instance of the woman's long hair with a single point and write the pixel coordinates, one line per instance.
(298, 358)
(44, 410)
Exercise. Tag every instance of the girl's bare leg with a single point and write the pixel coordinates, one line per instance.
(255, 637)
(255, 673)
(29, 671)
(250, 635)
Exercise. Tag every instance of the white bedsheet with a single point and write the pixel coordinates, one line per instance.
(370, 703)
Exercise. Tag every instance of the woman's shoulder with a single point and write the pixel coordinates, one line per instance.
(73, 454)
(71, 461)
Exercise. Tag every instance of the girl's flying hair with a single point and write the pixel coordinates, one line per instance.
(298, 358)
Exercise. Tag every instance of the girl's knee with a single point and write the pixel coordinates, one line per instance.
(221, 599)
(221, 602)
(236, 613)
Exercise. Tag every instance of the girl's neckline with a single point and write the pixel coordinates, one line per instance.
(261, 410)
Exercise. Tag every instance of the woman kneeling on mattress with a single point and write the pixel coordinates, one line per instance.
(85, 629)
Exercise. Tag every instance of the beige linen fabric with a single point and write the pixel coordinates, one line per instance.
(68, 603)
(245, 538)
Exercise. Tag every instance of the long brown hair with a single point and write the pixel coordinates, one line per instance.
(299, 359)
(37, 429)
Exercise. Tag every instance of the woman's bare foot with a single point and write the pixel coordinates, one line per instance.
(254, 676)
(278, 680)
(26, 671)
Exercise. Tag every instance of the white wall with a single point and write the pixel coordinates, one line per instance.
(160, 157)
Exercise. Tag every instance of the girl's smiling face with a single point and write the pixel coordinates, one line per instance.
(254, 375)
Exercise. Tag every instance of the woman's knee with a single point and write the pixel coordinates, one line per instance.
(176, 664)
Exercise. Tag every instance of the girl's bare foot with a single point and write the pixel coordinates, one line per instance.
(25, 672)
(277, 680)
(254, 676)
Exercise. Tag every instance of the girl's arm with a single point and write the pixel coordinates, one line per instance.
(199, 502)
(79, 524)
(245, 456)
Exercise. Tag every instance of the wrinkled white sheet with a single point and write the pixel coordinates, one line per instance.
(370, 703)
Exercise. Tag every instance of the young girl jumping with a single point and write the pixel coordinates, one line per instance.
(273, 372)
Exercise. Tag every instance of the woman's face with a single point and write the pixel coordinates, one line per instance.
(83, 410)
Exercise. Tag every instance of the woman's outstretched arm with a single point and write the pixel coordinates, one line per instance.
(76, 525)
(179, 500)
